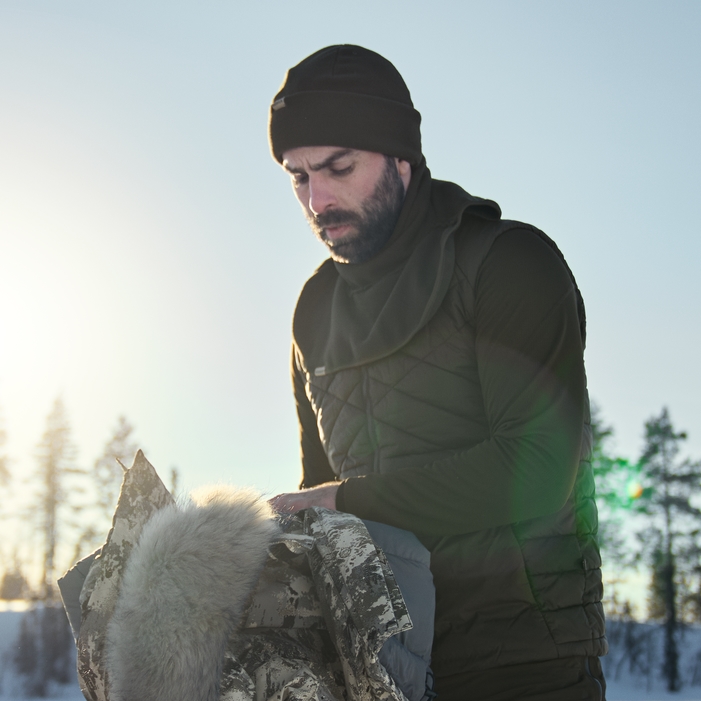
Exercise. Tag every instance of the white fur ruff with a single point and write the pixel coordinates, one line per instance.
(182, 595)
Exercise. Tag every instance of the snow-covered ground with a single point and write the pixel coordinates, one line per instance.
(632, 670)
(633, 667)
(10, 684)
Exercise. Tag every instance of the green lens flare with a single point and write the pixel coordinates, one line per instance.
(634, 489)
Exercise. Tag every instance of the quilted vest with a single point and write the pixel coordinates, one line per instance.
(523, 592)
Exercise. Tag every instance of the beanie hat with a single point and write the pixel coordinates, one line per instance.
(345, 96)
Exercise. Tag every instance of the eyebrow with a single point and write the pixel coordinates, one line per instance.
(326, 163)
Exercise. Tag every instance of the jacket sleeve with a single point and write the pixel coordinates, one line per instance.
(531, 372)
(315, 465)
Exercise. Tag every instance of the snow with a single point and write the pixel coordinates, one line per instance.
(643, 683)
(616, 691)
(10, 684)
(634, 672)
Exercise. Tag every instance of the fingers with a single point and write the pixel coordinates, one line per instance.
(277, 503)
(283, 504)
(292, 502)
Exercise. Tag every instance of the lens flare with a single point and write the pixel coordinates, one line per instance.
(635, 490)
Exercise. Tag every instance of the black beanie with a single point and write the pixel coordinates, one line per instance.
(345, 96)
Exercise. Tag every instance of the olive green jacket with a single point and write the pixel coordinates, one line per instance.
(474, 433)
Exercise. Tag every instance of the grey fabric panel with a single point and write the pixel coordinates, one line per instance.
(407, 669)
(407, 656)
(70, 586)
(398, 542)
(410, 561)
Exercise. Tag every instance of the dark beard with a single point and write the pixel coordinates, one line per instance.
(374, 224)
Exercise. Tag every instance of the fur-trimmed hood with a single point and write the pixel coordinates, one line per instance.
(217, 599)
(182, 595)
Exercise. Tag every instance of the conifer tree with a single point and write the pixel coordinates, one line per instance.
(107, 472)
(4, 463)
(13, 583)
(4, 483)
(43, 650)
(618, 492)
(106, 476)
(174, 480)
(56, 461)
(42, 653)
(671, 538)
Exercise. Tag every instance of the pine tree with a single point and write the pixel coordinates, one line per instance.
(4, 462)
(43, 651)
(55, 456)
(14, 584)
(106, 477)
(671, 539)
(174, 481)
(618, 493)
(107, 472)
(4, 483)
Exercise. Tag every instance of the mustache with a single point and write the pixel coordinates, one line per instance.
(336, 217)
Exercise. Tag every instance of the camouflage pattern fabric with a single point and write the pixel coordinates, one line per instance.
(325, 604)
(322, 608)
(141, 495)
(362, 604)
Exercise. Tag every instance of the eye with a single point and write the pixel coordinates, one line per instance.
(340, 172)
(299, 179)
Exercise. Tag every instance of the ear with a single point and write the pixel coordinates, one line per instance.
(404, 170)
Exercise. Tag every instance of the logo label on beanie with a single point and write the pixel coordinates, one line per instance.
(278, 104)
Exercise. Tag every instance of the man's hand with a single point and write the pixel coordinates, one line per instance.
(323, 495)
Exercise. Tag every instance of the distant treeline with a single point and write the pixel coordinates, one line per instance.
(649, 517)
(70, 510)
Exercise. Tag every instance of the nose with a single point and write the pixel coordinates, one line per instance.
(321, 195)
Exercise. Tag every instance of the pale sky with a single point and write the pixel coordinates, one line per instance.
(151, 251)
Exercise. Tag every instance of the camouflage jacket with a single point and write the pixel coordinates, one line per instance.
(323, 607)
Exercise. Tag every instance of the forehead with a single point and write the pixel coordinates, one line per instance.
(317, 157)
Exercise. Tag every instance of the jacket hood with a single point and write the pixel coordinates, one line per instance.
(352, 314)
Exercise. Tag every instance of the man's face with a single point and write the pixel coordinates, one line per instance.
(352, 199)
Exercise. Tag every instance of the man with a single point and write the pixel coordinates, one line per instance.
(440, 386)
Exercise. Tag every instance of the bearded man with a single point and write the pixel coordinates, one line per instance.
(439, 378)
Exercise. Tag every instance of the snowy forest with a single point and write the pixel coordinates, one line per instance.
(650, 525)
(66, 516)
